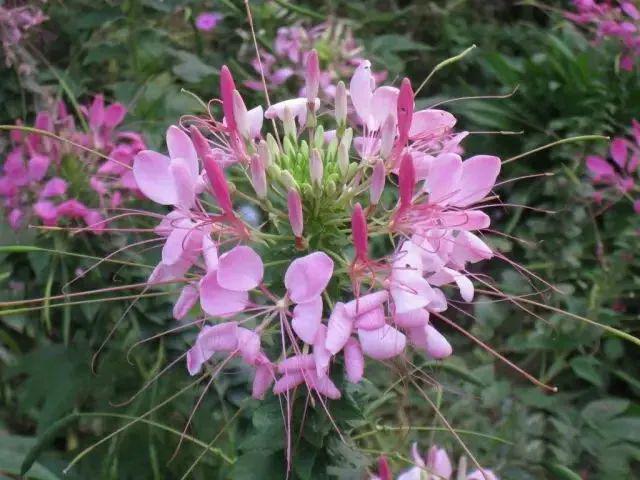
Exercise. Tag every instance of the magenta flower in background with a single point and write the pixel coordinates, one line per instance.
(618, 175)
(435, 465)
(339, 55)
(618, 19)
(31, 186)
(207, 21)
(15, 24)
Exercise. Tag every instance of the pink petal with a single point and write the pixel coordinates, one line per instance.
(372, 320)
(255, 117)
(361, 90)
(438, 462)
(431, 123)
(382, 344)
(240, 269)
(182, 243)
(306, 319)
(114, 114)
(249, 345)
(321, 355)
(478, 177)
(184, 183)
(353, 361)
(180, 146)
(210, 253)
(482, 475)
(96, 112)
(47, 212)
(324, 386)
(410, 292)
(383, 105)
(444, 177)
(618, 151)
(412, 319)
(287, 382)
(211, 339)
(431, 340)
(366, 303)
(465, 220)
(599, 167)
(297, 363)
(218, 301)
(37, 167)
(187, 299)
(468, 247)
(54, 188)
(152, 174)
(339, 329)
(262, 381)
(307, 277)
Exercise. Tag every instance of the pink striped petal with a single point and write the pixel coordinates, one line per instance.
(339, 329)
(218, 301)
(382, 344)
(307, 277)
(306, 319)
(353, 361)
(240, 269)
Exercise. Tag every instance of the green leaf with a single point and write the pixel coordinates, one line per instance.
(190, 68)
(587, 369)
(13, 449)
(561, 472)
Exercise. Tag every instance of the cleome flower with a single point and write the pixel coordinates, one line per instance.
(298, 293)
(617, 19)
(434, 465)
(58, 183)
(617, 177)
(333, 40)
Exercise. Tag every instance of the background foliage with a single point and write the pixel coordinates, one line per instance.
(143, 53)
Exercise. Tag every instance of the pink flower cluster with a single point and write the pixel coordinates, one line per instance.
(31, 182)
(14, 24)
(619, 19)
(619, 176)
(368, 307)
(339, 51)
(435, 465)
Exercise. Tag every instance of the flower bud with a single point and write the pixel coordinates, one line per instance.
(347, 137)
(240, 115)
(312, 76)
(274, 149)
(289, 123)
(407, 179)
(287, 180)
(377, 182)
(405, 114)
(359, 232)
(318, 137)
(343, 158)
(258, 176)
(218, 181)
(294, 204)
(341, 104)
(200, 143)
(316, 168)
(227, 86)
